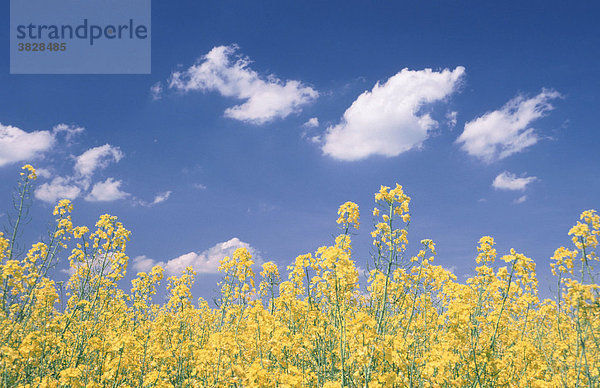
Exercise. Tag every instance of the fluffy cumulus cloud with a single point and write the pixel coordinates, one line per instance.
(225, 71)
(17, 145)
(57, 189)
(203, 262)
(509, 181)
(86, 164)
(503, 132)
(109, 190)
(96, 158)
(389, 119)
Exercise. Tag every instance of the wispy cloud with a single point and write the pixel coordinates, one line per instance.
(156, 91)
(521, 199)
(506, 131)
(159, 198)
(225, 71)
(313, 122)
(69, 131)
(451, 119)
(509, 181)
(43, 173)
(389, 119)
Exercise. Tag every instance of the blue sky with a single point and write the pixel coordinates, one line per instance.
(260, 118)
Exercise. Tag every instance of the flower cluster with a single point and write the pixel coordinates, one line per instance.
(413, 325)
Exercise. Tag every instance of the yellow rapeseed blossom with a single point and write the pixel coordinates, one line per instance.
(348, 214)
(29, 172)
(411, 324)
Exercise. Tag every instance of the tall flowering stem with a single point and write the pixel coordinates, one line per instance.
(413, 325)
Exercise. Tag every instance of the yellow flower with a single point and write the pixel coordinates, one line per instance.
(30, 171)
(414, 324)
(348, 214)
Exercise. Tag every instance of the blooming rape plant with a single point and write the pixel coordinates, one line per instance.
(413, 325)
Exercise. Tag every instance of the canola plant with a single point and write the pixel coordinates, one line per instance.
(413, 325)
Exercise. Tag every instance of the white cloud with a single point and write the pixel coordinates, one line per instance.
(71, 187)
(204, 262)
(43, 173)
(144, 263)
(509, 181)
(224, 71)
(96, 264)
(521, 199)
(451, 119)
(313, 122)
(156, 91)
(17, 145)
(208, 260)
(59, 188)
(68, 130)
(70, 271)
(503, 132)
(199, 186)
(109, 190)
(162, 197)
(388, 120)
(95, 158)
